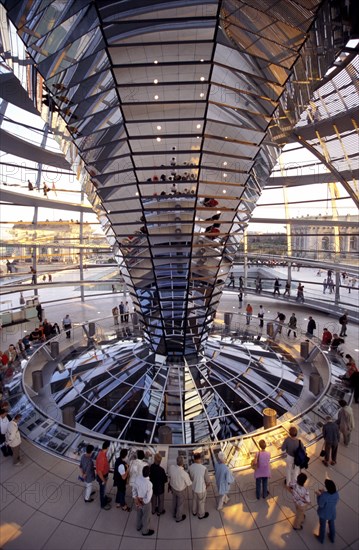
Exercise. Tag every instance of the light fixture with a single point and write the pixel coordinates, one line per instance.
(159, 127)
(224, 175)
(197, 137)
(155, 97)
(225, 163)
(136, 193)
(158, 139)
(198, 126)
(225, 137)
(202, 60)
(224, 191)
(201, 94)
(202, 79)
(155, 61)
(155, 81)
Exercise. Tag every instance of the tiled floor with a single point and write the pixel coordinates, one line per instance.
(42, 507)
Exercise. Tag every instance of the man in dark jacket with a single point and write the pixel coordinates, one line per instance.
(120, 474)
(331, 437)
(158, 478)
(311, 326)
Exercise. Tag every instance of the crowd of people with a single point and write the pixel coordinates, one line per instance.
(10, 359)
(141, 483)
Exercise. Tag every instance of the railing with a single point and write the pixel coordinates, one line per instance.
(45, 428)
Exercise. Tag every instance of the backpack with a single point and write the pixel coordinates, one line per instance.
(301, 458)
(342, 319)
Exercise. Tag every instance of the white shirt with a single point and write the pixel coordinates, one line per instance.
(4, 424)
(13, 437)
(200, 477)
(179, 479)
(142, 488)
(136, 467)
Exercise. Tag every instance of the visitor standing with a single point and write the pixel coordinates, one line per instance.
(136, 466)
(301, 499)
(5, 420)
(13, 439)
(327, 503)
(280, 322)
(224, 480)
(115, 314)
(276, 287)
(343, 321)
(331, 437)
(33, 275)
(200, 481)
(121, 473)
(102, 470)
(142, 495)
(126, 312)
(300, 293)
(231, 280)
(249, 313)
(345, 421)
(262, 472)
(325, 284)
(87, 472)
(326, 338)
(261, 317)
(122, 311)
(292, 325)
(287, 289)
(158, 479)
(240, 298)
(290, 445)
(312, 325)
(179, 481)
(67, 325)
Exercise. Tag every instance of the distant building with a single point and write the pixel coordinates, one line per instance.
(57, 241)
(318, 242)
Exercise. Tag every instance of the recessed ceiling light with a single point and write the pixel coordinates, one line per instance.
(158, 139)
(202, 79)
(202, 60)
(197, 137)
(201, 94)
(136, 193)
(224, 191)
(224, 175)
(225, 163)
(159, 127)
(155, 81)
(155, 61)
(155, 97)
(225, 137)
(198, 126)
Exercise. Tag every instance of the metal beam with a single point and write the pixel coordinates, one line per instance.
(337, 175)
(32, 199)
